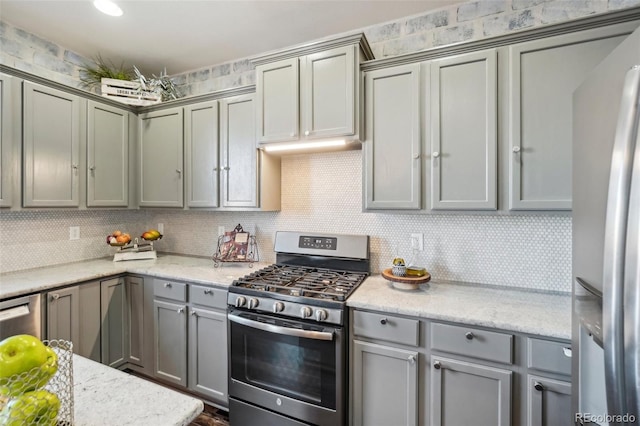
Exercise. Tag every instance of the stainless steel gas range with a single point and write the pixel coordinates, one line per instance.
(288, 332)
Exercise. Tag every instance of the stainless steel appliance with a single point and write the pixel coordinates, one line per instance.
(288, 332)
(606, 240)
(21, 316)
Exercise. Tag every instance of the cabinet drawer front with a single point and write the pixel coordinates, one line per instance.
(386, 327)
(170, 289)
(468, 341)
(545, 355)
(208, 296)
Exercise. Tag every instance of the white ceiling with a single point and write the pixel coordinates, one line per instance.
(184, 35)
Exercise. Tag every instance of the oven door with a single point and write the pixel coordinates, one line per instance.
(290, 367)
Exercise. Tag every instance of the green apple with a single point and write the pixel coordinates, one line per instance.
(28, 357)
(37, 407)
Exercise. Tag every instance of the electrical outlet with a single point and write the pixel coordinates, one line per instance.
(220, 230)
(417, 242)
(74, 233)
(161, 228)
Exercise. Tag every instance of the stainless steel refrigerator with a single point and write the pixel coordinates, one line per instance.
(606, 240)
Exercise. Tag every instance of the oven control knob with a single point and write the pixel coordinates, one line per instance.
(240, 301)
(321, 315)
(306, 312)
(278, 307)
(253, 303)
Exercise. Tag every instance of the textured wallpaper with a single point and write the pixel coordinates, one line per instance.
(320, 193)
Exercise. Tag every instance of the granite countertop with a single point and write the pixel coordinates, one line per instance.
(524, 311)
(106, 396)
(193, 269)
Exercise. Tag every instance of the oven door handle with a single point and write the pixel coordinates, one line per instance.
(307, 334)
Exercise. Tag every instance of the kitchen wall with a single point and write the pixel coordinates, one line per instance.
(321, 192)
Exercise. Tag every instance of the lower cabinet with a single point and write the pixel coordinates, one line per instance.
(464, 393)
(113, 311)
(385, 385)
(549, 402)
(170, 337)
(63, 316)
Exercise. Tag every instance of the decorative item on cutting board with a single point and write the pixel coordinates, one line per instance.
(405, 277)
(133, 250)
(236, 246)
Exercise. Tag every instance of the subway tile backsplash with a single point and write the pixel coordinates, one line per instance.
(320, 193)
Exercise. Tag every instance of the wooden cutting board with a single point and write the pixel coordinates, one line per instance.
(407, 279)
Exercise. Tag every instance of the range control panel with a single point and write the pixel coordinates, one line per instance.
(324, 243)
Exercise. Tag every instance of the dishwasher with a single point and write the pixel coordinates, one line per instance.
(21, 316)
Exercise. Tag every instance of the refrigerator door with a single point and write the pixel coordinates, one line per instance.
(632, 293)
(615, 243)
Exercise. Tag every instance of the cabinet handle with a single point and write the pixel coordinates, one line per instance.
(469, 335)
(306, 133)
(180, 310)
(178, 171)
(416, 156)
(437, 365)
(215, 169)
(193, 313)
(436, 154)
(383, 321)
(167, 285)
(538, 386)
(55, 296)
(516, 149)
(566, 352)
(208, 291)
(225, 168)
(92, 168)
(412, 359)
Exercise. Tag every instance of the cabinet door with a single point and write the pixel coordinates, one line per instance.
(391, 155)
(208, 354)
(549, 402)
(201, 150)
(63, 315)
(463, 393)
(239, 152)
(170, 342)
(543, 75)
(385, 385)
(136, 325)
(464, 132)
(8, 110)
(277, 101)
(114, 321)
(160, 154)
(107, 156)
(51, 147)
(89, 344)
(328, 90)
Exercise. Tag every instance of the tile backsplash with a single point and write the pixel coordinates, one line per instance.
(320, 193)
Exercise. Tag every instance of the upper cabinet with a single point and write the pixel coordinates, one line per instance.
(310, 92)
(542, 77)
(107, 156)
(463, 132)
(51, 147)
(9, 128)
(161, 158)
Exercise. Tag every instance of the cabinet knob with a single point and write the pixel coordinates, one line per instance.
(469, 335)
(215, 169)
(416, 156)
(74, 167)
(412, 359)
(194, 314)
(383, 321)
(516, 149)
(92, 168)
(178, 171)
(306, 133)
(436, 154)
(208, 291)
(538, 386)
(55, 296)
(566, 352)
(167, 285)
(225, 168)
(437, 365)
(180, 310)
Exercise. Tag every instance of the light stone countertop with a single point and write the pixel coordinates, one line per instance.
(530, 312)
(193, 269)
(106, 396)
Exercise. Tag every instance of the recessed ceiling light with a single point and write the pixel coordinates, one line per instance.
(108, 7)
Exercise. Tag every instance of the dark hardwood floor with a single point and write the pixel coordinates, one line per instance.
(211, 416)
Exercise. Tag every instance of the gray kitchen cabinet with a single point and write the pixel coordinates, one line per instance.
(385, 385)
(89, 344)
(137, 320)
(107, 156)
(51, 147)
(161, 158)
(464, 393)
(392, 148)
(63, 315)
(201, 154)
(463, 132)
(542, 77)
(549, 402)
(170, 341)
(113, 311)
(278, 101)
(9, 128)
(250, 177)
